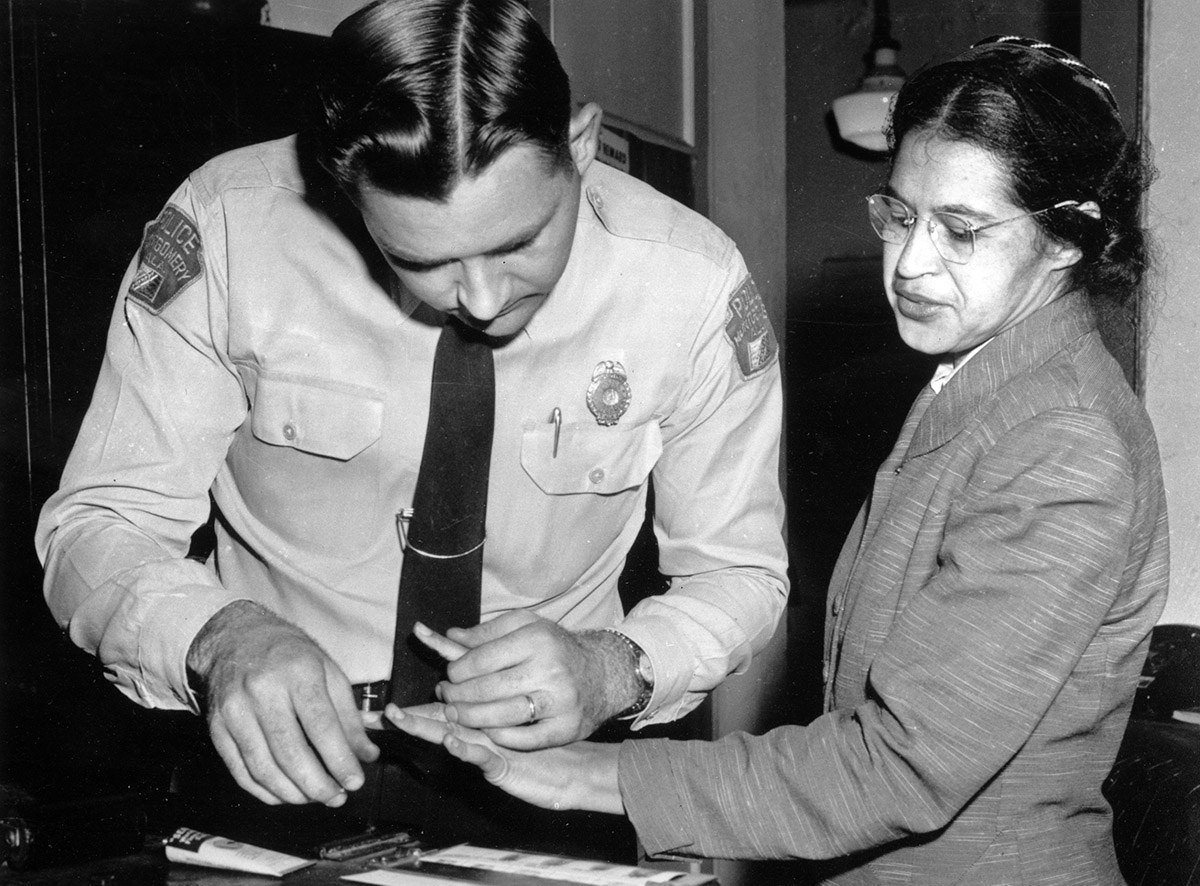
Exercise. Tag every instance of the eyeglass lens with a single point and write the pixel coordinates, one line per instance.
(953, 237)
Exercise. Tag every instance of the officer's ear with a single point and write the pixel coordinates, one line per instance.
(584, 135)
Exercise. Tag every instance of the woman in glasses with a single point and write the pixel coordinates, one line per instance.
(991, 609)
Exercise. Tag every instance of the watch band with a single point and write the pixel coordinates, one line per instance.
(645, 675)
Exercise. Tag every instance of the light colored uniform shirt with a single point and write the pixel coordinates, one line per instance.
(257, 353)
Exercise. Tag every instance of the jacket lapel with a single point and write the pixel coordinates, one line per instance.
(1028, 344)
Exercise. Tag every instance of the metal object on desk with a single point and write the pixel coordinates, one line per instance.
(398, 858)
(367, 845)
(45, 835)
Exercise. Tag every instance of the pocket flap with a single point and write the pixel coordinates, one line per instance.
(590, 459)
(315, 419)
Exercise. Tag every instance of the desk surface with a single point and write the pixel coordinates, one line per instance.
(209, 801)
(152, 869)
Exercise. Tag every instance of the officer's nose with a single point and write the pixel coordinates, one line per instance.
(483, 289)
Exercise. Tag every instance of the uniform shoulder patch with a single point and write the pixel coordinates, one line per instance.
(748, 329)
(171, 260)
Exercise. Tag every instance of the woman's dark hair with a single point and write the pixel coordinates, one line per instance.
(422, 93)
(1055, 126)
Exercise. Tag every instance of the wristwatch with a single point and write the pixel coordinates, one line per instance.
(645, 675)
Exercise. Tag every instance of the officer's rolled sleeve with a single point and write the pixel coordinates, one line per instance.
(114, 539)
(142, 623)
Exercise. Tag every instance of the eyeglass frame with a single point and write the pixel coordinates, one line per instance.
(912, 217)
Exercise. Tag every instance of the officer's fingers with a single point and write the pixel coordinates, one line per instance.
(545, 734)
(354, 722)
(273, 742)
(506, 683)
(232, 757)
(313, 749)
(354, 733)
(503, 655)
(446, 648)
(252, 747)
(520, 710)
(539, 645)
(493, 629)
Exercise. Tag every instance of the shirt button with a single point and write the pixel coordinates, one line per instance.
(289, 431)
(596, 475)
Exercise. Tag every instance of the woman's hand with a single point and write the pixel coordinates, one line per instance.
(577, 776)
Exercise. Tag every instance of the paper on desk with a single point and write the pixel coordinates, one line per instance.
(194, 847)
(394, 878)
(548, 867)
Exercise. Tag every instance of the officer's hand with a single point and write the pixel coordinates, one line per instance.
(527, 682)
(280, 712)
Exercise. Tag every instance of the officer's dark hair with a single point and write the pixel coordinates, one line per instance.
(1055, 126)
(419, 94)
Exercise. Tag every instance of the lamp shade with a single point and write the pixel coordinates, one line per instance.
(862, 116)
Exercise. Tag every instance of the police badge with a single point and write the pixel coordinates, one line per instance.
(608, 395)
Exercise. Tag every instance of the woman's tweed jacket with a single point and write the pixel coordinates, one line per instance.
(986, 626)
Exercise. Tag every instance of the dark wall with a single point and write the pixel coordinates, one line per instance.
(115, 102)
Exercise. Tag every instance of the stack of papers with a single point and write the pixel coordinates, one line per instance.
(515, 866)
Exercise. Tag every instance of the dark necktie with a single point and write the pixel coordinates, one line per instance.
(443, 556)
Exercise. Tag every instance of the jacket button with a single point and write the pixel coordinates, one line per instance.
(289, 431)
(836, 607)
(596, 475)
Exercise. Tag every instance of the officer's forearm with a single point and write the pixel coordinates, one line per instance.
(217, 639)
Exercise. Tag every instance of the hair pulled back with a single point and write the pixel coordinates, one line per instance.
(419, 94)
(1056, 129)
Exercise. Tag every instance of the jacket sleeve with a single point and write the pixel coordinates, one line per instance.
(115, 536)
(718, 508)
(1032, 557)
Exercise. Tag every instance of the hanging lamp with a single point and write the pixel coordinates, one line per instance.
(862, 115)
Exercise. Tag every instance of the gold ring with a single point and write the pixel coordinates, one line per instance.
(532, 709)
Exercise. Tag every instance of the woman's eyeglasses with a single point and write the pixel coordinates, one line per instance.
(953, 236)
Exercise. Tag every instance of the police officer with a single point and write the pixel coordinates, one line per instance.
(272, 347)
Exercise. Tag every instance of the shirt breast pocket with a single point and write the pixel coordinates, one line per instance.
(589, 459)
(582, 507)
(320, 421)
(309, 470)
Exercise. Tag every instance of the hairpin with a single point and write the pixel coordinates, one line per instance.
(1058, 55)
